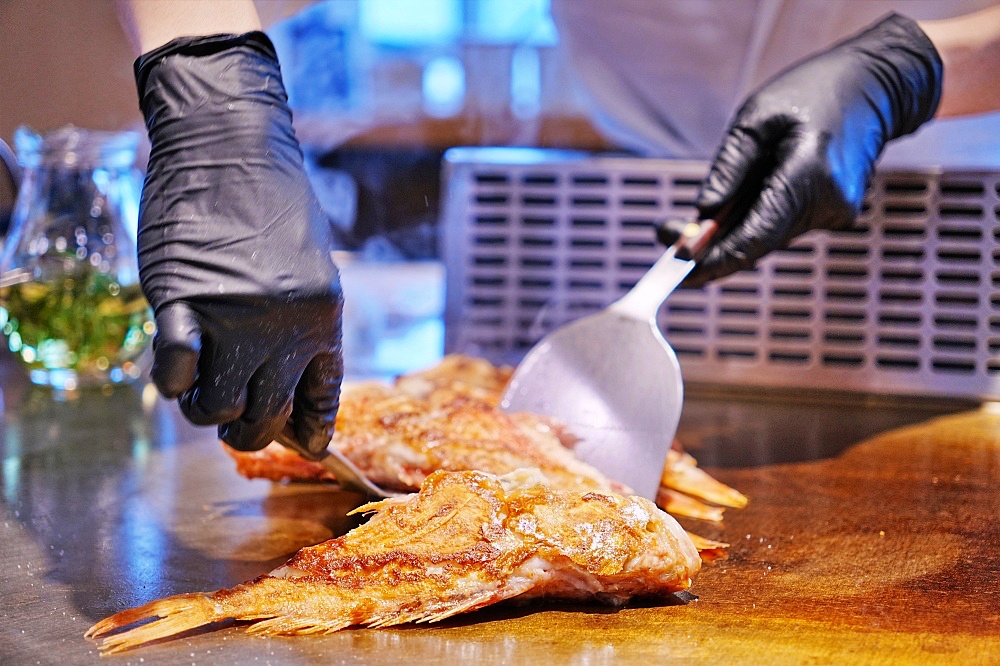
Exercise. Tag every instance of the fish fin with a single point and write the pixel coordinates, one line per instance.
(440, 609)
(436, 611)
(709, 549)
(678, 504)
(469, 604)
(477, 601)
(366, 508)
(293, 625)
(683, 474)
(174, 615)
(391, 619)
(378, 505)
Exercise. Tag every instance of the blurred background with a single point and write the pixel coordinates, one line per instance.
(380, 89)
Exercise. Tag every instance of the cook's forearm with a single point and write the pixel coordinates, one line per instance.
(153, 23)
(970, 48)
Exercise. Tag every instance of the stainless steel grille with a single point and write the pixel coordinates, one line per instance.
(907, 302)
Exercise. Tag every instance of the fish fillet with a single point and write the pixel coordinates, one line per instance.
(466, 540)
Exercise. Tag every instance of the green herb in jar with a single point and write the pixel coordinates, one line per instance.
(84, 322)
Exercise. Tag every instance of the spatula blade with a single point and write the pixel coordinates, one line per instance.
(616, 384)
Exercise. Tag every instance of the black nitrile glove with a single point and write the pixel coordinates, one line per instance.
(801, 150)
(234, 249)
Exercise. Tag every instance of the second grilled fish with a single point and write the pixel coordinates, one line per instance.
(466, 540)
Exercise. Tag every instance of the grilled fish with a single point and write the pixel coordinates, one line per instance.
(446, 417)
(466, 540)
(397, 440)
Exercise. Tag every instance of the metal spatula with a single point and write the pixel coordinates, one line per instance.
(611, 377)
(348, 476)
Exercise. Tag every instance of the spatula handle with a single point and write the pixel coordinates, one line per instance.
(645, 298)
(692, 236)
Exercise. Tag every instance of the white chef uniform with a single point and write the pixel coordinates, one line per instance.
(664, 77)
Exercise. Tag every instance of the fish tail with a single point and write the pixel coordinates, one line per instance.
(174, 615)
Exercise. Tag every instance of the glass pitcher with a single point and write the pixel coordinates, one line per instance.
(72, 309)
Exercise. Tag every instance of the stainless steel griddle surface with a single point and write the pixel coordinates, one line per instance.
(110, 501)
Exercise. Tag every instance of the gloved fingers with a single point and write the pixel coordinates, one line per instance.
(766, 226)
(268, 405)
(317, 399)
(176, 349)
(718, 262)
(738, 159)
(220, 394)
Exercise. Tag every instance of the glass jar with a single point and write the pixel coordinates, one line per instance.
(72, 309)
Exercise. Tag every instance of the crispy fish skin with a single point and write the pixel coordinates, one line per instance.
(396, 440)
(458, 375)
(466, 540)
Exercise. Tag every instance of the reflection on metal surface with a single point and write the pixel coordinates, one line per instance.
(739, 429)
(139, 545)
(11, 477)
(444, 646)
(251, 538)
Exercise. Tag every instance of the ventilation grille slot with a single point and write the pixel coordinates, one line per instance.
(907, 302)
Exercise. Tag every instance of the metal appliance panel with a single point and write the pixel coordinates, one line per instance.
(906, 303)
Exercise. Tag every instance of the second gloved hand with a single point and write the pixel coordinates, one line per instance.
(801, 151)
(234, 249)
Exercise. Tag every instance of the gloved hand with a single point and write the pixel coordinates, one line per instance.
(800, 152)
(234, 249)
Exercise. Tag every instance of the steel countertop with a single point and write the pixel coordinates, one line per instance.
(870, 537)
